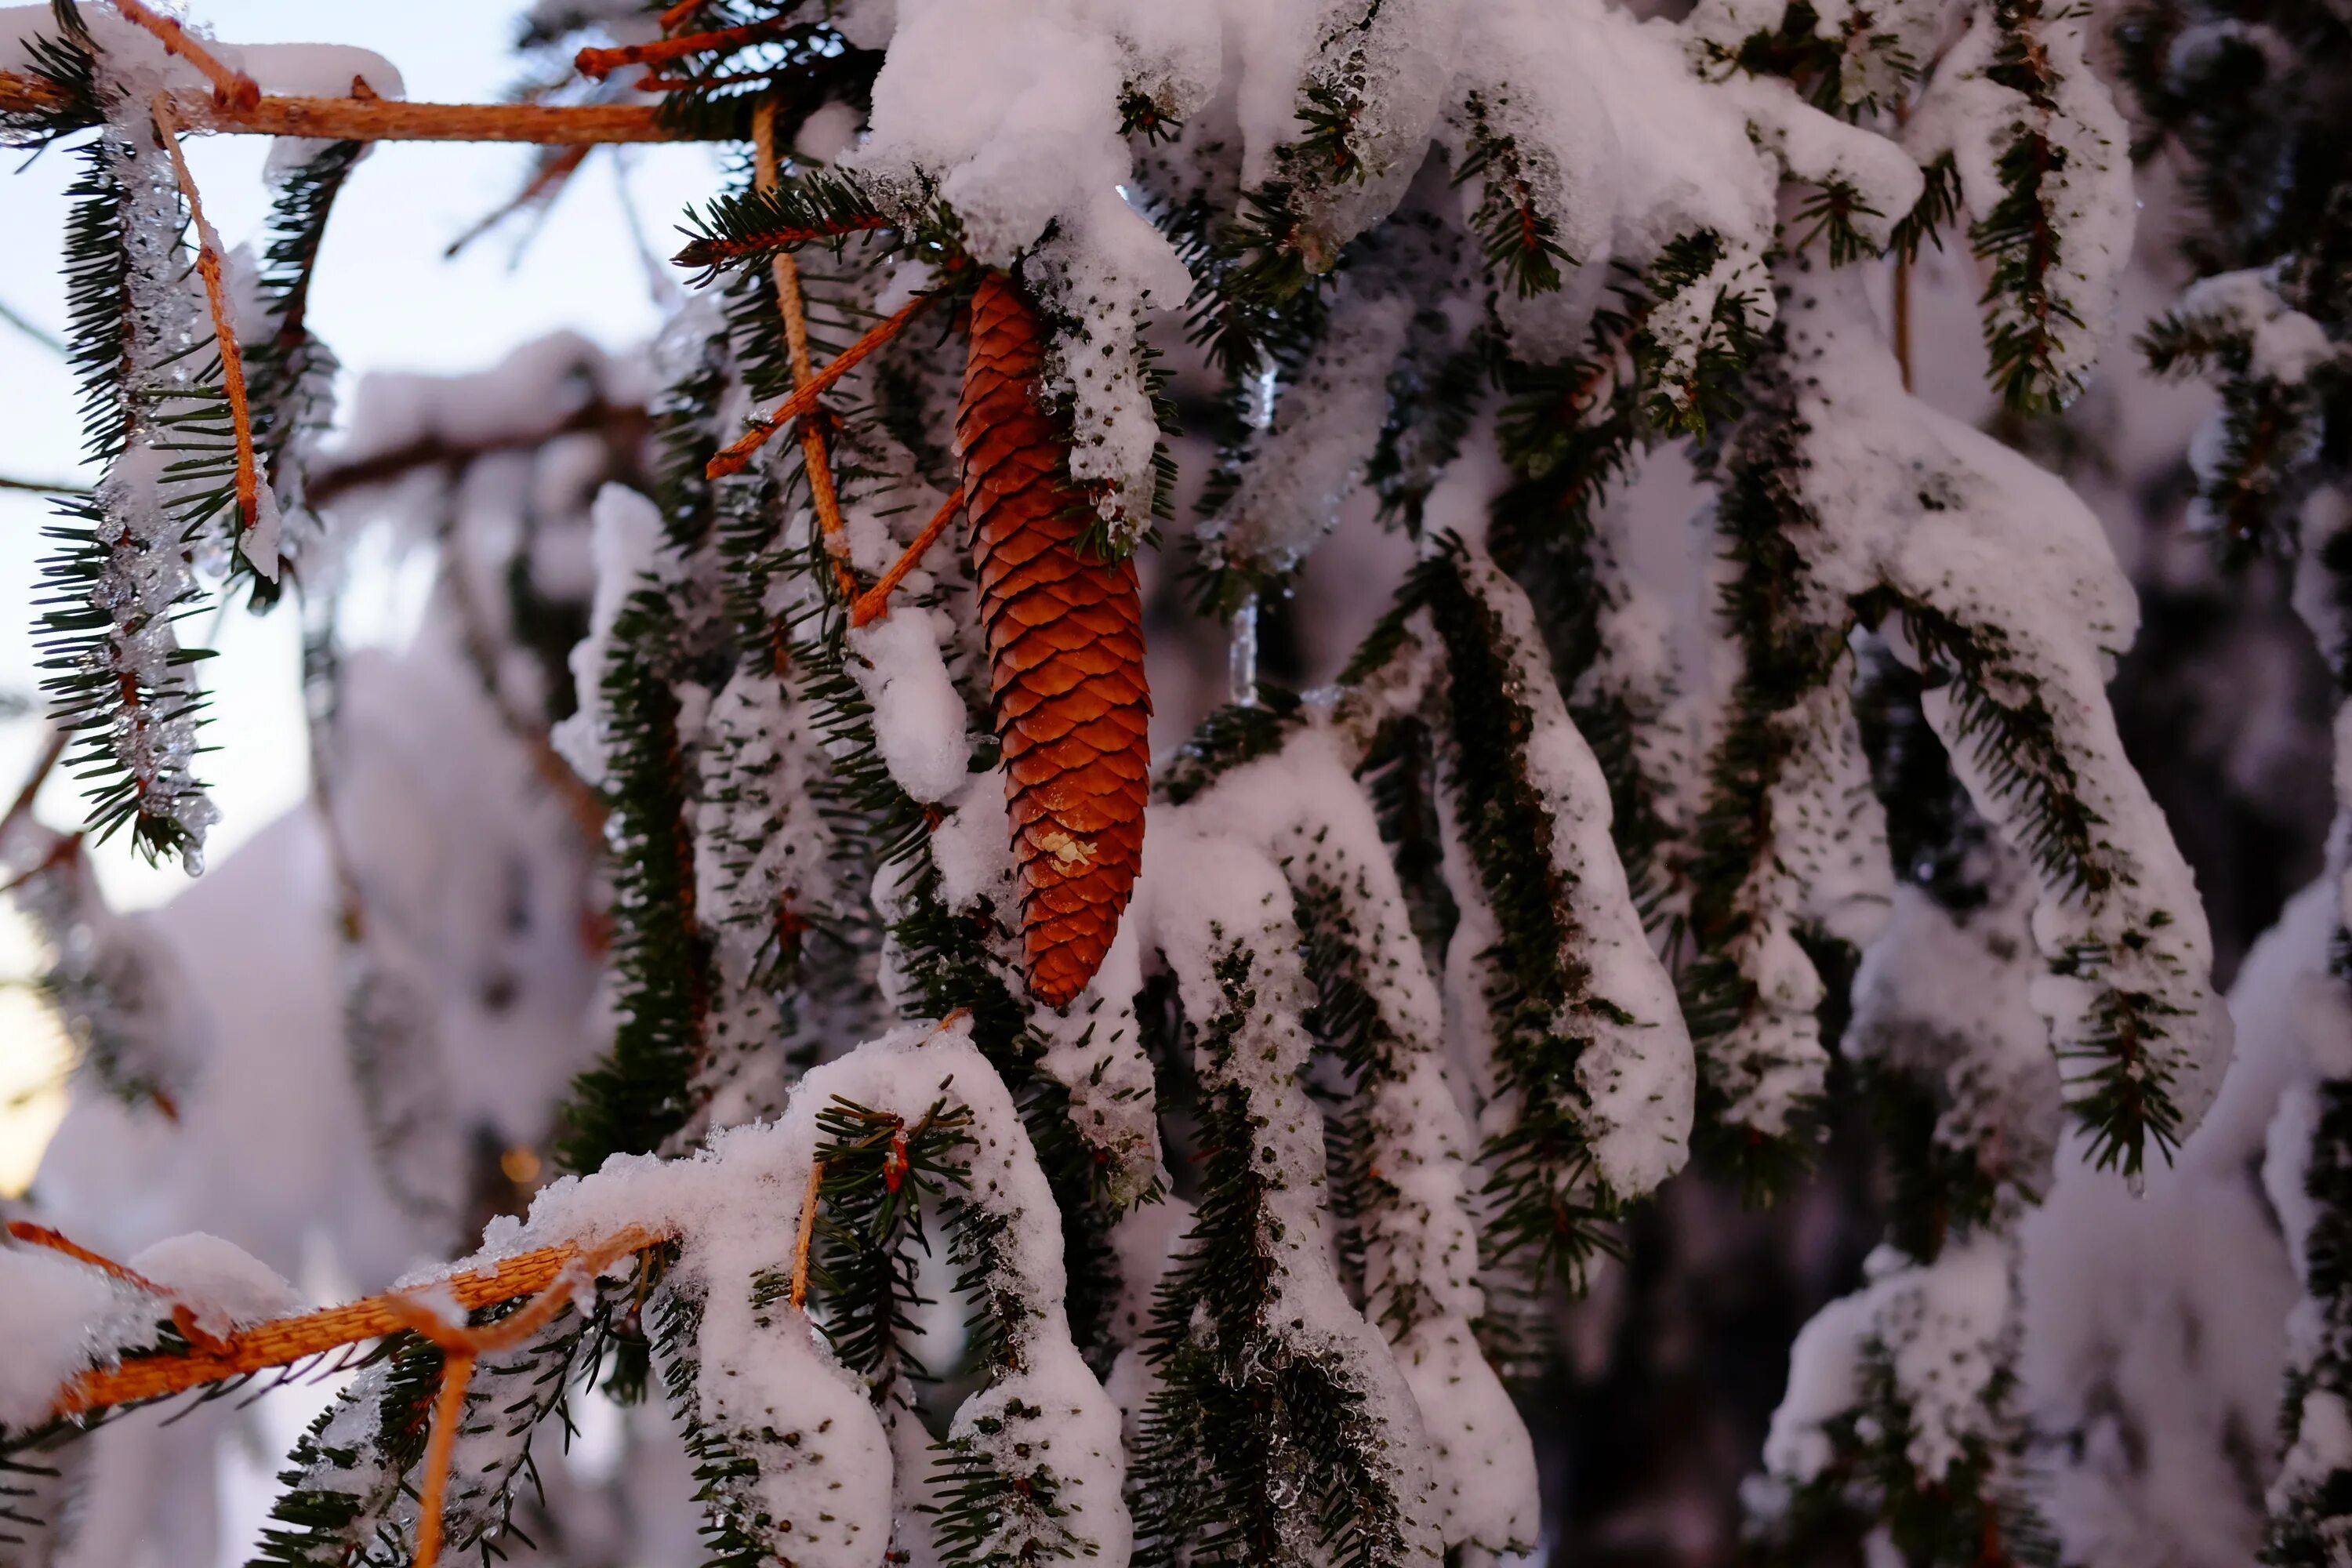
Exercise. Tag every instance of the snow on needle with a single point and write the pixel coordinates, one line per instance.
(208, 263)
(231, 90)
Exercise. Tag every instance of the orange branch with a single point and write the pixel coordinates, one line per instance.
(598, 64)
(371, 119)
(57, 1241)
(448, 1415)
(874, 603)
(231, 90)
(808, 1233)
(814, 459)
(733, 460)
(285, 1341)
(208, 262)
(543, 185)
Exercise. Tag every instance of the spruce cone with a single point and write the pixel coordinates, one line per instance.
(1066, 650)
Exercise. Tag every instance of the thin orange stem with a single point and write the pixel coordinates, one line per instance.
(733, 460)
(208, 262)
(874, 603)
(543, 185)
(63, 850)
(680, 14)
(814, 459)
(285, 1341)
(57, 1241)
(397, 119)
(598, 64)
(448, 1415)
(808, 1234)
(231, 90)
(22, 806)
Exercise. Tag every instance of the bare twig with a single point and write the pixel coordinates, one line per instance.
(357, 119)
(232, 357)
(231, 90)
(733, 460)
(874, 603)
(545, 183)
(448, 1415)
(808, 1233)
(814, 457)
(31, 329)
(43, 766)
(598, 64)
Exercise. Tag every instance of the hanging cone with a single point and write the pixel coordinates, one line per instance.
(1066, 651)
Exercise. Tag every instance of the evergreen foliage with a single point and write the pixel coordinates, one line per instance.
(1430, 979)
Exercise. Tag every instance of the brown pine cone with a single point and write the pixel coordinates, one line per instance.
(1066, 650)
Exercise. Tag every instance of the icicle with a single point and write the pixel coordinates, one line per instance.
(1240, 659)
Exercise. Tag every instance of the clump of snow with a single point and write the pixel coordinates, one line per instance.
(1010, 113)
(918, 715)
(1957, 523)
(1214, 907)
(49, 1308)
(1636, 1069)
(1934, 1331)
(2087, 184)
(222, 1285)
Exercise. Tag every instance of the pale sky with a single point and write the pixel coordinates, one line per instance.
(384, 299)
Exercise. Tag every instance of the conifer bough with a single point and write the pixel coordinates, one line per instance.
(1246, 1156)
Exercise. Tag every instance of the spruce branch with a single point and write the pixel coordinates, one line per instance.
(372, 119)
(550, 1271)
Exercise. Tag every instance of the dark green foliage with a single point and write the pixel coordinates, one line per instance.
(1790, 646)
(281, 366)
(642, 1094)
(1436, 392)
(747, 228)
(1242, 1457)
(1850, 71)
(1690, 400)
(735, 1533)
(338, 1509)
(2028, 314)
(879, 1171)
(1937, 842)
(1937, 207)
(1975, 1515)
(2274, 430)
(1520, 240)
(1547, 1217)
(2121, 1092)
(2306, 1519)
(1233, 736)
(94, 684)
(800, 68)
